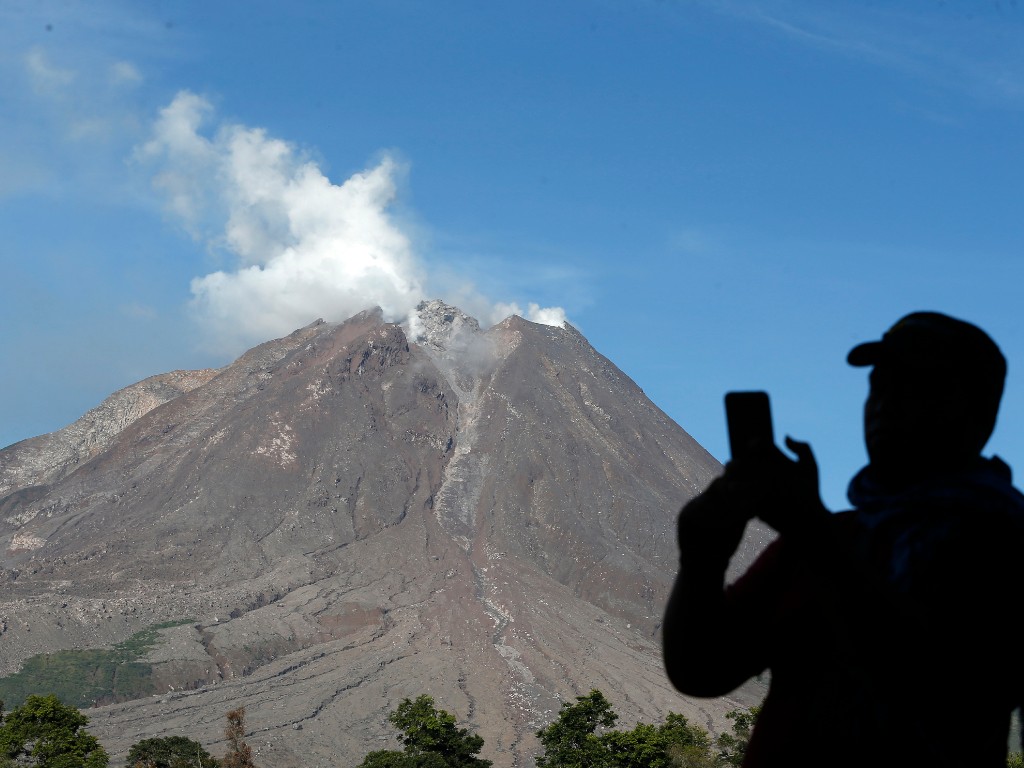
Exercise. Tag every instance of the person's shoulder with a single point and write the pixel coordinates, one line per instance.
(996, 478)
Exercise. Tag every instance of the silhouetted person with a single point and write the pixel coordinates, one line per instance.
(890, 632)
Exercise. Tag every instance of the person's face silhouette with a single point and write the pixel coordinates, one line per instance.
(908, 421)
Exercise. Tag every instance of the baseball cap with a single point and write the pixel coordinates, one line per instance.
(938, 342)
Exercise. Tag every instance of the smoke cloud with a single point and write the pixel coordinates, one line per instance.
(302, 247)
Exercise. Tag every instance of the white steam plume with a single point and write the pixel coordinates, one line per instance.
(305, 247)
(534, 313)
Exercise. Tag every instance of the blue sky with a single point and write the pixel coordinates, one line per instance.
(719, 195)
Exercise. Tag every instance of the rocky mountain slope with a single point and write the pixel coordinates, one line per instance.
(353, 514)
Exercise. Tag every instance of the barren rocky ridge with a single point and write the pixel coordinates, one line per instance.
(353, 514)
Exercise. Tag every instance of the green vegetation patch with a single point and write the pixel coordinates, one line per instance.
(93, 676)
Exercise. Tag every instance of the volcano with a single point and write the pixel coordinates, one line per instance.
(354, 514)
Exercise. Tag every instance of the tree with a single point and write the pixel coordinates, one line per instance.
(643, 747)
(431, 740)
(686, 746)
(44, 733)
(393, 758)
(169, 752)
(239, 754)
(673, 744)
(692, 756)
(733, 746)
(571, 742)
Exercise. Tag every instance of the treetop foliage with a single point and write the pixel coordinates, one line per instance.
(582, 736)
(574, 740)
(431, 740)
(169, 752)
(571, 740)
(44, 733)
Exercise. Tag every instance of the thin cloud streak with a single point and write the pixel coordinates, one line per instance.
(981, 58)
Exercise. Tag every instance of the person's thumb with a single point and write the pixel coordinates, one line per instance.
(804, 455)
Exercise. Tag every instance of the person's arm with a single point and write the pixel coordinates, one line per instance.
(700, 632)
(710, 641)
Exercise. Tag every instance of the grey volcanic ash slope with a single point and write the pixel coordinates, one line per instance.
(349, 516)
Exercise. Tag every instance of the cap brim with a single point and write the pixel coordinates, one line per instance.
(864, 354)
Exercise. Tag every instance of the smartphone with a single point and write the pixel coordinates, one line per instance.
(749, 419)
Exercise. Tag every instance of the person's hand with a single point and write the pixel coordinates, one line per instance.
(781, 491)
(711, 525)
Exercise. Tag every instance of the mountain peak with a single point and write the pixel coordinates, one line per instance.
(442, 326)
